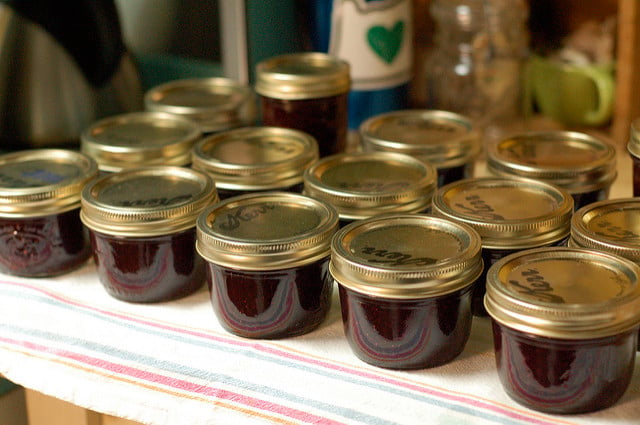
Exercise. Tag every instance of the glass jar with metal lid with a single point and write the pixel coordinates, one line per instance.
(268, 257)
(510, 214)
(40, 229)
(363, 184)
(405, 285)
(143, 231)
(565, 325)
(582, 164)
(140, 139)
(215, 104)
(634, 151)
(308, 92)
(256, 159)
(446, 140)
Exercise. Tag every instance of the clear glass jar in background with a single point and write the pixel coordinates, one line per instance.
(475, 67)
(634, 150)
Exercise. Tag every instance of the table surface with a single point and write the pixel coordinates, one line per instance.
(171, 363)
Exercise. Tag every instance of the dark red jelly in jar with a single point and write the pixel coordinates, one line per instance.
(268, 258)
(143, 233)
(40, 229)
(405, 288)
(565, 327)
(308, 92)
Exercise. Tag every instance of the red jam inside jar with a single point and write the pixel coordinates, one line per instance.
(308, 92)
(40, 229)
(268, 258)
(142, 225)
(565, 327)
(405, 286)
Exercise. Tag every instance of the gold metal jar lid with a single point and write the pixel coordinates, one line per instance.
(445, 139)
(267, 231)
(574, 161)
(138, 139)
(612, 226)
(216, 104)
(41, 182)
(362, 184)
(256, 158)
(633, 146)
(508, 213)
(565, 293)
(406, 256)
(307, 75)
(148, 201)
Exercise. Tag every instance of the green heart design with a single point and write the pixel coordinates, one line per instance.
(386, 43)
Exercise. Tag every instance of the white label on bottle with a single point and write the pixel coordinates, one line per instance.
(376, 39)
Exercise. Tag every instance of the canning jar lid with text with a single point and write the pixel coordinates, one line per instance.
(443, 138)
(565, 293)
(307, 75)
(612, 226)
(42, 182)
(266, 231)
(215, 104)
(139, 139)
(362, 184)
(256, 158)
(575, 161)
(508, 213)
(148, 201)
(406, 256)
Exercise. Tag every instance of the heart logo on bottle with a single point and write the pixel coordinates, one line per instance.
(384, 42)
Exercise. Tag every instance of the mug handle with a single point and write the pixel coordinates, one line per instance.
(605, 87)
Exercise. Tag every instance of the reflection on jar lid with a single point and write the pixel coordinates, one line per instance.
(574, 161)
(445, 139)
(363, 184)
(43, 181)
(307, 75)
(147, 201)
(138, 139)
(256, 158)
(568, 293)
(406, 256)
(612, 226)
(508, 213)
(216, 104)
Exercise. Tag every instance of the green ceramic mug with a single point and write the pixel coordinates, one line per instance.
(571, 94)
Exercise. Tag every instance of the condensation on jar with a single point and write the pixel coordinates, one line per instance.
(215, 104)
(634, 151)
(256, 159)
(582, 164)
(40, 229)
(143, 231)
(308, 92)
(565, 327)
(364, 184)
(140, 139)
(510, 214)
(447, 140)
(405, 286)
(268, 263)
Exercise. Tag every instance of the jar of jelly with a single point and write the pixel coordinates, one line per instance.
(215, 104)
(363, 184)
(405, 288)
(582, 164)
(444, 139)
(634, 150)
(143, 231)
(40, 229)
(565, 327)
(510, 214)
(268, 262)
(138, 139)
(308, 92)
(256, 159)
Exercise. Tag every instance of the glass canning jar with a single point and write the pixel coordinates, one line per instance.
(634, 151)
